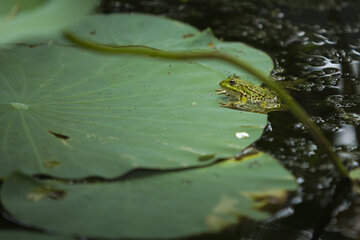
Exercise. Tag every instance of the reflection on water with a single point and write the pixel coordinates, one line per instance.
(346, 135)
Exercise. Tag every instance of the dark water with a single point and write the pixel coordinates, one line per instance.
(313, 40)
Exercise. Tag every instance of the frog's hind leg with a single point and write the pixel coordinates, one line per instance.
(232, 105)
(227, 105)
(243, 107)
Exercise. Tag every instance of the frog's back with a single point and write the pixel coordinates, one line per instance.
(258, 94)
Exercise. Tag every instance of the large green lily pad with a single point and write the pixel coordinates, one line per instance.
(152, 206)
(70, 113)
(25, 19)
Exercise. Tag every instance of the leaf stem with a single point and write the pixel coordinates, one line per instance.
(293, 106)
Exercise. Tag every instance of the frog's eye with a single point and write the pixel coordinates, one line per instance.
(232, 82)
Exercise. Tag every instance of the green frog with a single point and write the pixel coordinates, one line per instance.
(249, 97)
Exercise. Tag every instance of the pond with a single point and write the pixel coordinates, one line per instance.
(316, 41)
(316, 45)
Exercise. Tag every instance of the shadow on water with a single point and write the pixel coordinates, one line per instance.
(313, 40)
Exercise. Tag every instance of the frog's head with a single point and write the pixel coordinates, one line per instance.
(232, 84)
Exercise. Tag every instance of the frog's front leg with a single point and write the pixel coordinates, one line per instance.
(221, 91)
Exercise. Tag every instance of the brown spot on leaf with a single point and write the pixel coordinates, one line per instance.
(206, 157)
(188, 35)
(59, 135)
(211, 45)
(51, 164)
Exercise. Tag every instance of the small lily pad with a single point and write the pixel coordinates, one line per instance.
(156, 205)
(23, 19)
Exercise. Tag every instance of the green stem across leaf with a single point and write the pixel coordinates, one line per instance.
(293, 106)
